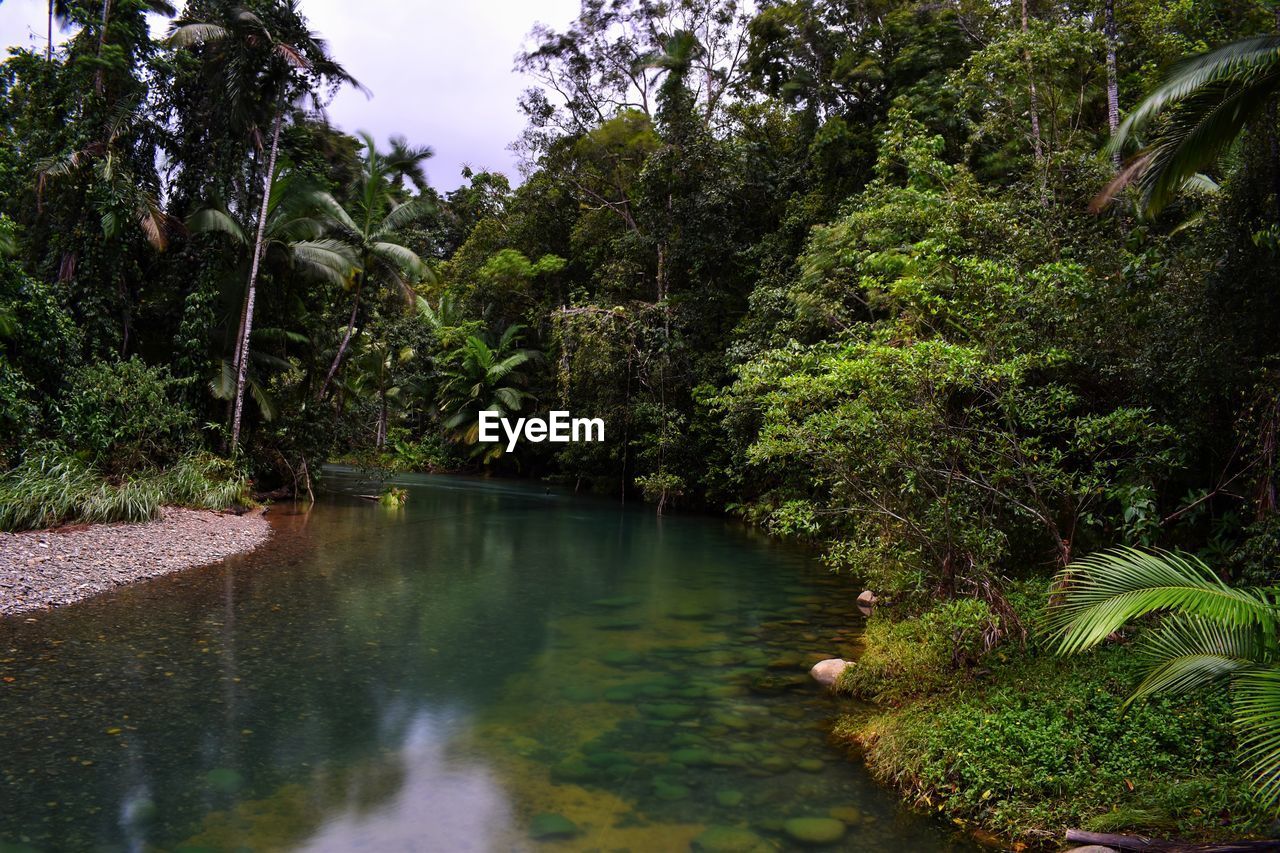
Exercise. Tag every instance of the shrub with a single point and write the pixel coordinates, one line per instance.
(52, 486)
(920, 656)
(123, 415)
(1030, 762)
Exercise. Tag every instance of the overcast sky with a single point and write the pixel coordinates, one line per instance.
(440, 70)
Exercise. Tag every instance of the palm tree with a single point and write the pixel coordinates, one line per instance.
(253, 54)
(120, 195)
(372, 231)
(1194, 116)
(59, 10)
(293, 240)
(1211, 634)
(377, 376)
(404, 161)
(481, 377)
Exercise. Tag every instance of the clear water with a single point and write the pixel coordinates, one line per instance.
(464, 673)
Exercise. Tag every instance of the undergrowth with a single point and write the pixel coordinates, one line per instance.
(1027, 745)
(51, 487)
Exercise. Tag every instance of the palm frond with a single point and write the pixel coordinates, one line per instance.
(1196, 133)
(399, 257)
(266, 403)
(1193, 652)
(1239, 61)
(510, 335)
(513, 399)
(223, 383)
(1256, 701)
(196, 33)
(328, 260)
(330, 207)
(404, 215)
(1104, 591)
(516, 360)
(216, 220)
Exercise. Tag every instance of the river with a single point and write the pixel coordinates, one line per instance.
(490, 667)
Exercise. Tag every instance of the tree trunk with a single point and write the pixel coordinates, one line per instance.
(381, 440)
(342, 348)
(1113, 79)
(48, 51)
(242, 368)
(1139, 843)
(1036, 140)
(99, 78)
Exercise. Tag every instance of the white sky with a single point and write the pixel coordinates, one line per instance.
(440, 71)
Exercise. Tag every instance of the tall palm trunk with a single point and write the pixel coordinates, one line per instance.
(346, 341)
(1036, 140)
(383, 417)
(99, 79)
(48, 51)
(250, 297)
(1113, 81)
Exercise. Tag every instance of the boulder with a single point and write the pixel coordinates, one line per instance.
(827, 672)
(867, 598)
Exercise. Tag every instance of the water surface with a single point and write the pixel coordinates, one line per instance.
(491, 667)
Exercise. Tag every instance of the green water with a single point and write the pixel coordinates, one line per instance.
(488, 664)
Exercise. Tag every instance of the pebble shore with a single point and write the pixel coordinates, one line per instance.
(51, 568)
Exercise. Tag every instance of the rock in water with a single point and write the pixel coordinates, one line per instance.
(729, 798)
(814, 831)
(729, 839)
(545, 827)
(827, 672)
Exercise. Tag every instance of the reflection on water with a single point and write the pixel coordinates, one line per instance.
(491, 667)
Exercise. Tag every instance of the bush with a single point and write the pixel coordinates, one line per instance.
(52, 487)
(1030, 762)
(920, 656)
(123, 416)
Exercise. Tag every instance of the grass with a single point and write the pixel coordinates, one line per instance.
(1028, 745)
(52, 487)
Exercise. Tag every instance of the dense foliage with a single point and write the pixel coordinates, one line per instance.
(870, 275)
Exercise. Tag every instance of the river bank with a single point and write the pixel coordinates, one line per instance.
(1020, 745)
(51, 568)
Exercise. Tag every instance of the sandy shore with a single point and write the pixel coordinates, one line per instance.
(49, 568)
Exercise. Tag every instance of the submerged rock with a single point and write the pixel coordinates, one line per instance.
(622, 657)
(827, 672)
(729, 839)
(767, 684)
(545, 827)
(848, 815)
(619, 625)
(224, 780)
(572, 771)
(616, 603)
(729, 799)
(665, 789)
(692, 757)
(690, 614)
(815, 831)
(669, 711)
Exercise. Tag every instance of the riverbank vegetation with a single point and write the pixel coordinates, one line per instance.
(959, 291)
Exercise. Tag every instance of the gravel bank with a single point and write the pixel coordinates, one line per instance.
(49, 568)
